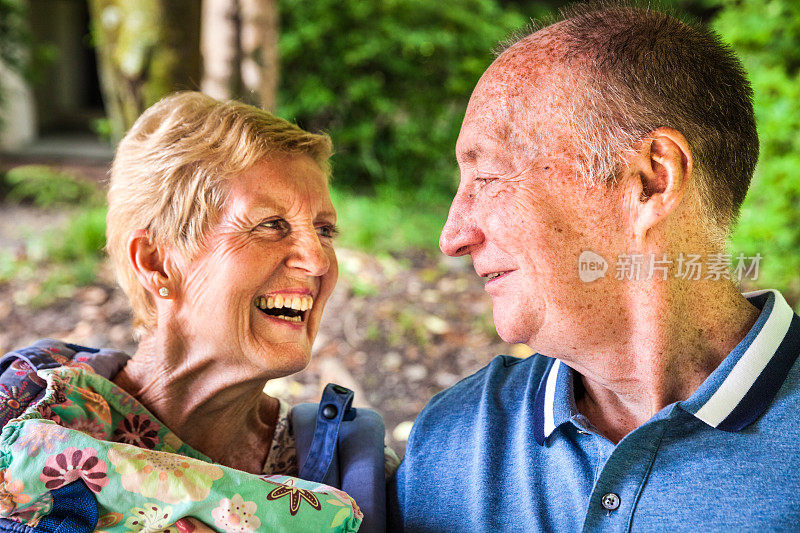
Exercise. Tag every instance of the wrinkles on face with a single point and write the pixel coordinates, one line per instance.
(521, 206)
(274, 235)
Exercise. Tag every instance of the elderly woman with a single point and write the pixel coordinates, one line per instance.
(220, 230)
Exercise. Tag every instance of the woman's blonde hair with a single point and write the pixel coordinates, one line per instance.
(170, 171)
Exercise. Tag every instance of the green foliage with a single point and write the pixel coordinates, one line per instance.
(53, 265)
(14, 40)
(14, 35)
(46, 187)
(84, 237)
(18, 53)
(390, 221)
(766, 34)
(388, 80)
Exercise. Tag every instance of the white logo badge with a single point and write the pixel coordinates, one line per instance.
(591, 266)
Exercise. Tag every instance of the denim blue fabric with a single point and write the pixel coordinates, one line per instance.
(506, 450)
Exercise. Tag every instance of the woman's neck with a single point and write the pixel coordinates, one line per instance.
(213, 401)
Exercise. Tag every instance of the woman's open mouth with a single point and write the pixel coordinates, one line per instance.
(292, 308)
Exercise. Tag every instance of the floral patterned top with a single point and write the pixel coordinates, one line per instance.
(282, 458)
(67, 423)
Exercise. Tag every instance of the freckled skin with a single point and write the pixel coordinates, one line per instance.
(527, 217)
(522, 209)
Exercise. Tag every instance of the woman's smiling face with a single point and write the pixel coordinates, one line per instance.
(260, 283)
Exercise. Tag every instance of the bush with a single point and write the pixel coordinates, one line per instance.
(83, 238)
(388, 80)
(390, 221)
(46, 187)
(767, 37)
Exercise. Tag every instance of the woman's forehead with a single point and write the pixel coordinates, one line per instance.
(277, 181)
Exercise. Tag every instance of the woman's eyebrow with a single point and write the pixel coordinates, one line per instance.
(326, 214)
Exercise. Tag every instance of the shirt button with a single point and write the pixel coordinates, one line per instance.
(610, 501)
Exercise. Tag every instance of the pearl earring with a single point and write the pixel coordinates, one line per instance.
(163, 292)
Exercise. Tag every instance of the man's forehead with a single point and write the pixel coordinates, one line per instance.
(493, 120)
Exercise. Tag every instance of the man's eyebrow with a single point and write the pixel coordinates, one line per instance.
(469, 156)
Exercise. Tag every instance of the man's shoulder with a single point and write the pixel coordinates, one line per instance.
(504, 381)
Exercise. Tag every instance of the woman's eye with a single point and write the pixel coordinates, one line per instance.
(328, 231)
(276, 225)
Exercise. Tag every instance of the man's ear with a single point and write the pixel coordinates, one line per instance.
(659, 174)
(149, 263)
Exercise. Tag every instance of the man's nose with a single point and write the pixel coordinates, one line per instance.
(460, 233)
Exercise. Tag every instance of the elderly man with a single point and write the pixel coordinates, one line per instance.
(600, 158)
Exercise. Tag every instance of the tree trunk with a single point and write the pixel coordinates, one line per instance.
(240, 50)
(220, 48)
(146, 49)
(259, 43)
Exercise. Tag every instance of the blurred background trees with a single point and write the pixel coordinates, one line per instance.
(146, 49)
(389, 80)
(767, 37)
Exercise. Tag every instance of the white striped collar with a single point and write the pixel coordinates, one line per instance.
(732, 397)
(744, 385)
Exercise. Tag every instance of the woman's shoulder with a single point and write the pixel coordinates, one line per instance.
(20, 384)
(49, 353)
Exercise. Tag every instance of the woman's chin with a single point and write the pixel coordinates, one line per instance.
(280, 359)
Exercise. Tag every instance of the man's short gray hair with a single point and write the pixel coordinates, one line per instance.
(640, 69)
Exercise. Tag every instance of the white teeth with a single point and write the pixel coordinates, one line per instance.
(493, 275)
(290, 318)
(297, 303)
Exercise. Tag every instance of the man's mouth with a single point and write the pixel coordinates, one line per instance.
(491, 276)
(289, 307)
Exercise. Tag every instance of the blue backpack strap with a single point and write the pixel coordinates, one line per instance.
(361, 467)
(345, 451)
(335, 403)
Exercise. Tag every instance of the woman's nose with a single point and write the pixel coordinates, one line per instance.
(309, 255)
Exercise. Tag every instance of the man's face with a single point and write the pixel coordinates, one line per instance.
(523, 215)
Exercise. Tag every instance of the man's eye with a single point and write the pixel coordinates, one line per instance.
(484, 180)
(328, 231)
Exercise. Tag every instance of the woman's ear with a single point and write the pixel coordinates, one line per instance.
(148, 261)
(660, 172)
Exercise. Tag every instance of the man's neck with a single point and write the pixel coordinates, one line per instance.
(675, 337)
(214, 405)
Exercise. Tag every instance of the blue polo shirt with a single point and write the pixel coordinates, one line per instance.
(506, 450)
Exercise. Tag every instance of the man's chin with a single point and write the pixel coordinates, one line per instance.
(514, 331)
